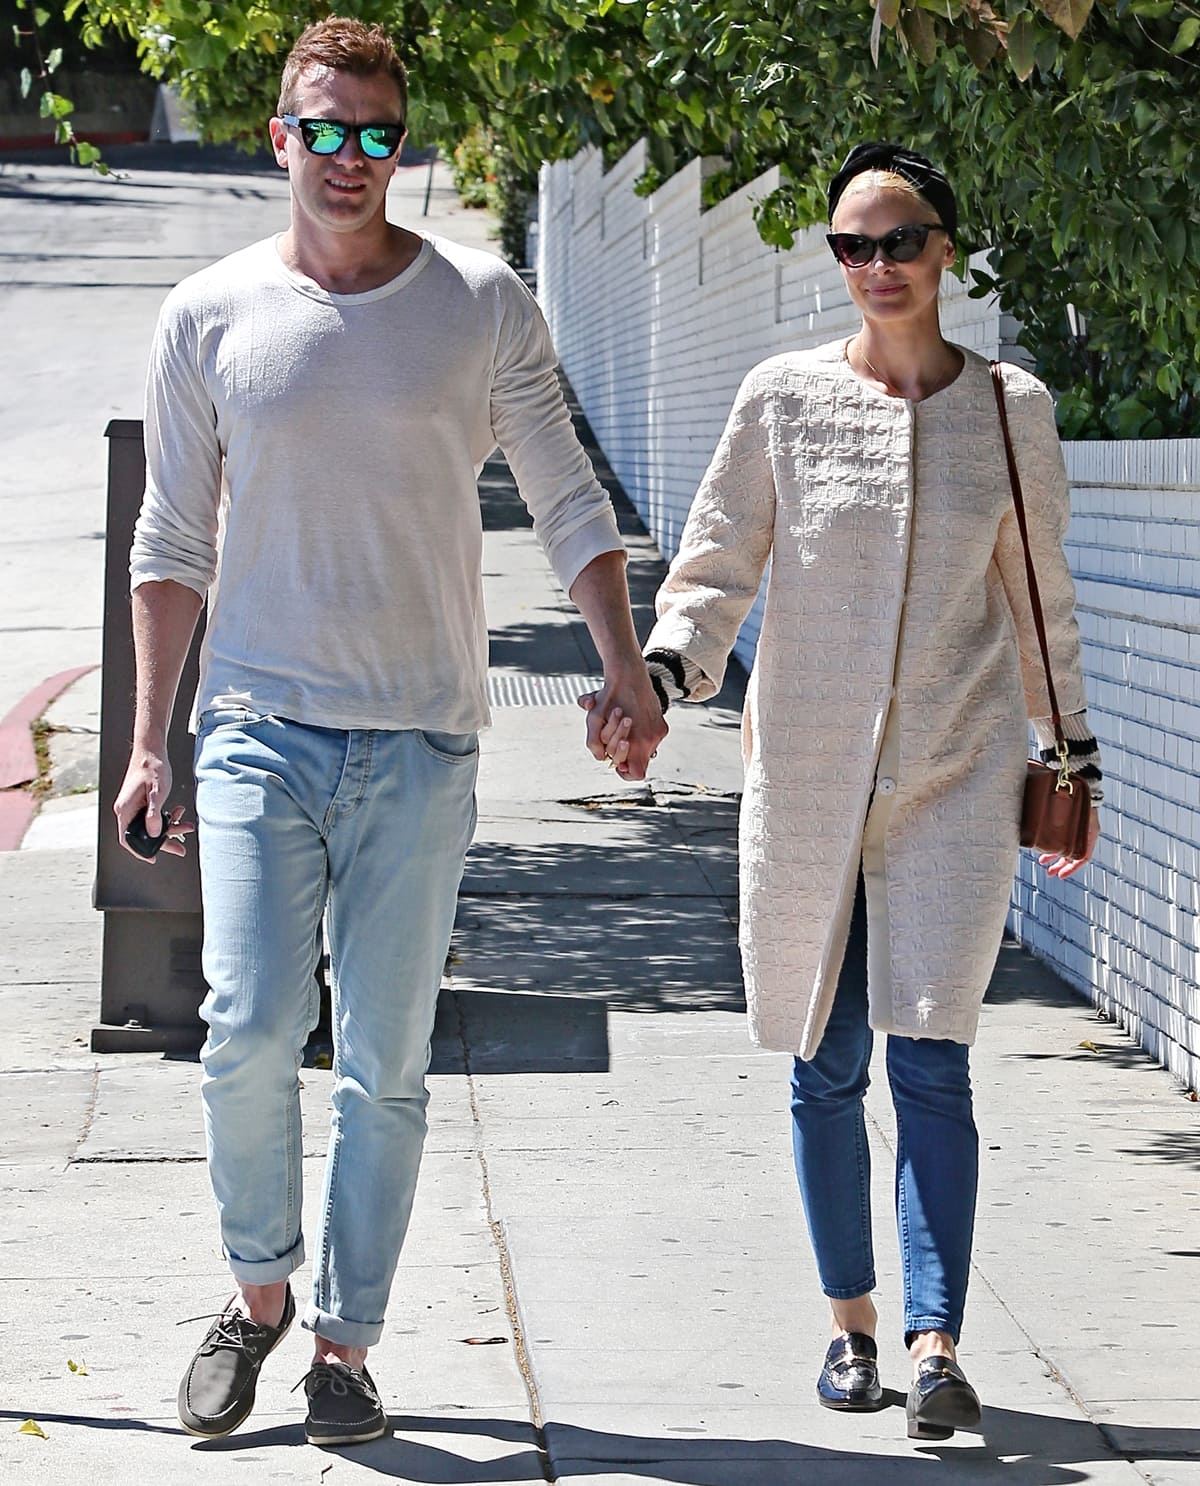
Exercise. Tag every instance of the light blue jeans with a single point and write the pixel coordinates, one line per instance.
(369, 829)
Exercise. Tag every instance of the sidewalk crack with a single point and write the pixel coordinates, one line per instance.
(506, 1270)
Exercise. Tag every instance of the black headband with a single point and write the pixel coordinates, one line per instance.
(914, 168)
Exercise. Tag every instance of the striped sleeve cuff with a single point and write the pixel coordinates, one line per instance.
(1083, 752)
(674, 676)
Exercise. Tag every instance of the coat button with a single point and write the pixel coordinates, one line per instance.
(887, 786)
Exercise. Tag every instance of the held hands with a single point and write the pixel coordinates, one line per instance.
(625, 723)
(148, 782)
(1058, 866)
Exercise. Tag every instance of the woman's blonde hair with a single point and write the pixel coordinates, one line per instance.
(884, 180)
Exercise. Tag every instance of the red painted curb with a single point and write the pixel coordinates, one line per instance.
(23, 143)
(17, 809)
(18, 761)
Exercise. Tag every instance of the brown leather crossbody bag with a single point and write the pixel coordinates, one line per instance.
(1057, 810)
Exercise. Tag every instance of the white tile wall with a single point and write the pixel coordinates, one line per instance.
(659, 309)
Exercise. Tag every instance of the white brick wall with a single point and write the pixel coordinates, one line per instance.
(659, 309)
(1127, 930)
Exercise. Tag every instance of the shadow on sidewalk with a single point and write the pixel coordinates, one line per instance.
(1025, 1449)
(642, 920)
(503, 510)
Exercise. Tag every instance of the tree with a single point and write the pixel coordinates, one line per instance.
(1070, 130)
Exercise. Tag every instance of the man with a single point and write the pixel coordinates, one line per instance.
(327, 398)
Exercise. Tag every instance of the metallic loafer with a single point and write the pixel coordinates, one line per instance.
(940, 1401)
(850, 1377)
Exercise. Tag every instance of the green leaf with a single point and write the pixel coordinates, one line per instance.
(1187, 35)
(1020, 47)
(1175, 240)
(54, 106)
(54, 60)
(41, 17)
(1168, 381)
(1128, 417)
(26, 81)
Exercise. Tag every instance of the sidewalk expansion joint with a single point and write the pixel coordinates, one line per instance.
(1056, 1375)
(157, 1159)
(529, 895)
(507, 1278)
(89, 1114)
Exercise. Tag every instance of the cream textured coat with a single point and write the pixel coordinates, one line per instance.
(896, 669)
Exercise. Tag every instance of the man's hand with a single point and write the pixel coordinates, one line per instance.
(625, 723)
(148, 782)
(164, 617)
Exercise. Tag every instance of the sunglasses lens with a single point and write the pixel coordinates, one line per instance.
(905, 244)
(850, 249)
(380, 140)
(324, 136)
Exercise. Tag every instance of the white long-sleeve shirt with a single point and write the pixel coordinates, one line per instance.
(327, 446)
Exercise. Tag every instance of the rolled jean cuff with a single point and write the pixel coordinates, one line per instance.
(266, 1271)
(842, 1292)
(913, 1324)
(338, 1329)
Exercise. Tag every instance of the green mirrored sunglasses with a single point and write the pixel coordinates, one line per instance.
(327, 136)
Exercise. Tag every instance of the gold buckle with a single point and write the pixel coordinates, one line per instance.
(1064, 774)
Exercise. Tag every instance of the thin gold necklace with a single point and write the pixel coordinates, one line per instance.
(858, 346)
(887, 382)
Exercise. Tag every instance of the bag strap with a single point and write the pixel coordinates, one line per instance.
(1035, 600)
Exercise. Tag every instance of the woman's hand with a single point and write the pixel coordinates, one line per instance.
(610, 735)
(1058, 866)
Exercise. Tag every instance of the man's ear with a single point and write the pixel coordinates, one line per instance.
(399, 152)
(277, 130)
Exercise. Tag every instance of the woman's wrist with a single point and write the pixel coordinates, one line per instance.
(1083, 752)
(673, 673)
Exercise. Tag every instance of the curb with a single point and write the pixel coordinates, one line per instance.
(18, 760)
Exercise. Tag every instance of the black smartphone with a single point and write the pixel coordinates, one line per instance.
(138, 839)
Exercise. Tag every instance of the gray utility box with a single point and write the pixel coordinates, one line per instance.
(152, 984)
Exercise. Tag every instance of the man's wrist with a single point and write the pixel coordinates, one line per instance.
(625, 670)
(149, 745)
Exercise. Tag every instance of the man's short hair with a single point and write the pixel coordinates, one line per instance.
(344, 45)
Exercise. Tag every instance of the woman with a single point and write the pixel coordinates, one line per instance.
(885, 738)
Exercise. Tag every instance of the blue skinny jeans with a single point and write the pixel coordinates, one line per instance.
(937, 1155)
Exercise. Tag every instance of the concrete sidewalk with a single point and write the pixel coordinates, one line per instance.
(607, 1280)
